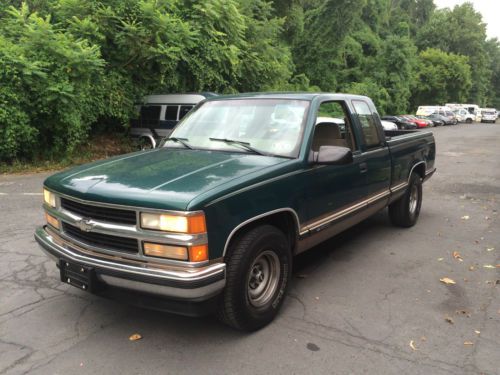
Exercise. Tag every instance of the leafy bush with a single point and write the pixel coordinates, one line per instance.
(46, 87)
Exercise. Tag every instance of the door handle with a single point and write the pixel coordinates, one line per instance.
(363, 168)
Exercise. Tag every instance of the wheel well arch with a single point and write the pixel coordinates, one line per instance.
(419, 168)
(150, 138)
(285, 219)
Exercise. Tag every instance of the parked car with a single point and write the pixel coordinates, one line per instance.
(464, 115)
(451, 117)
(435, 122)
(210, 220)
(430, 123)
(488, 115)
(158, 115)
(401, 122)
(388, 125)
(419, 122)
(446, 120)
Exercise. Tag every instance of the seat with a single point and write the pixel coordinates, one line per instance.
(327, 134)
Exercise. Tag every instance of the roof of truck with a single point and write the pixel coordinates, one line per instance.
(288, 95)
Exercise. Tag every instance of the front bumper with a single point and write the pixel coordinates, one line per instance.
(182, 284)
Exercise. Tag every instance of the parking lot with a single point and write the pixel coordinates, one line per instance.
(367, 301)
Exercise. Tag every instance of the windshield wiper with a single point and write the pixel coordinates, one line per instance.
(182, 141)
(245, 145)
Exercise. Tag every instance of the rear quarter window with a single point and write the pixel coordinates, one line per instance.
(368, 123)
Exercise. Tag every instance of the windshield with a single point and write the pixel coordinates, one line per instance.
(266, 126)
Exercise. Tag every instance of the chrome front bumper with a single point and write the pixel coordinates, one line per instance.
(189, 284)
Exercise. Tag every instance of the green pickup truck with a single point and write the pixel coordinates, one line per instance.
(210, 220)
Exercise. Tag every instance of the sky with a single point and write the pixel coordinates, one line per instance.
(490, 10)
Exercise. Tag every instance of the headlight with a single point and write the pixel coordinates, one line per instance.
(174, 223)
(49, 198)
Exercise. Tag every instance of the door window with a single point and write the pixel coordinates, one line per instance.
(368, 125)
(333, 127)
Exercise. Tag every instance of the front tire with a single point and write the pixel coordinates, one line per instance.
(257, 278)
(405, 211)
(468, 121)
(144, 143)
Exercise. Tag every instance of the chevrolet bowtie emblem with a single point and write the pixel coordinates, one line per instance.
(85, 225)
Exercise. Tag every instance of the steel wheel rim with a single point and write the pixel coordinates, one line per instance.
(263, 278)
(413, 199)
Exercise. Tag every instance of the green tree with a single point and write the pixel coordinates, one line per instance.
(46, 92)
(493, 50)
(441, 77)
(83, 64)
(465, 35)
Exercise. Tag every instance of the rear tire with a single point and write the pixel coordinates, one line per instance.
(468, 121)
(405, 211)
(257, 278)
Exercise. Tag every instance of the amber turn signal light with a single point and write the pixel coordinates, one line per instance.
(52, 220)
(198, 253)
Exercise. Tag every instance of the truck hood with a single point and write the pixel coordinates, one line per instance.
(162, 178)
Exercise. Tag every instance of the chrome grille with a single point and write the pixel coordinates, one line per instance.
(101, 213)
(104, 241)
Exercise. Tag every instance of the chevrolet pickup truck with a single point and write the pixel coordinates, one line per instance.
(210, 221)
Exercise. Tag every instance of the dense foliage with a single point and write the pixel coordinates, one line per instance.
(69, 68)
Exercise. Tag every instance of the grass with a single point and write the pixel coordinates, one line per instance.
(99, 147)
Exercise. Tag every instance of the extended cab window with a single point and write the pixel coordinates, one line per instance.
(333, 127)
(368, 124)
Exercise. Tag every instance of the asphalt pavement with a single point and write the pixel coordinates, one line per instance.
(369, 301)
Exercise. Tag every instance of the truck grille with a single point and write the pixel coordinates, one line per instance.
(113, 215)
(104, 241)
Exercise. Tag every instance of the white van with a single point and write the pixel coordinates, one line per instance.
(471, 108)
(158, 114)
(427, 110)
(488, 115)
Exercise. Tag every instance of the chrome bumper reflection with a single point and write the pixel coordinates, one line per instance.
(175, 282)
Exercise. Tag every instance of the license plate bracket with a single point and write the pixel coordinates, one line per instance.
(80, 276)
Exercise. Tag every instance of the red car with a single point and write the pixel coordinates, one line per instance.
(417, 121)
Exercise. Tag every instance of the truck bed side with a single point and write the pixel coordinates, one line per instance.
(411, 151)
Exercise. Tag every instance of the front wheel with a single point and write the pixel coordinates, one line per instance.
(258, 274)
(468, 121)
(405, 211)
(145, 143)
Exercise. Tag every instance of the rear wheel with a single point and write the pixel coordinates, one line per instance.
(405, 211)
(468, 121)
(258, 274)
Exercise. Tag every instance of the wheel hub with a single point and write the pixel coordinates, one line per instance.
(413, 199)
(263, 278)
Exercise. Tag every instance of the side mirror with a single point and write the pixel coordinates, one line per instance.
(333, 155)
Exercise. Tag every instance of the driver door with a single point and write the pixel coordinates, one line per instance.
(333, 190)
